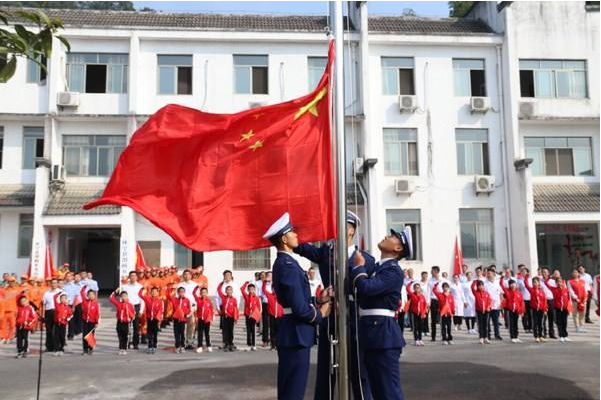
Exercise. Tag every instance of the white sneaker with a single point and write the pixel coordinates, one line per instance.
(486, 341)
(582, 330)
(210, 349)
(451, 342)
(578, 329)
(481, 341)
(199, 350)
(417, 343)
(444, 343)
(518, 340)
(561, 339)
(513, 341)
(183, 350)
(566, 339)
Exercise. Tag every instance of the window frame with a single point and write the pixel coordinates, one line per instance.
(310, 68)
(39, 71)
(24, 253)
(398, 88)
(476, 224)
(251, 67)
(176, 67)
(482, 155)
(30, 136)
(416, 228)
(240, 257)
(542, 157)
(80, 162)
(405, 143)
(470, 75)
(124, 72)
(553, 73)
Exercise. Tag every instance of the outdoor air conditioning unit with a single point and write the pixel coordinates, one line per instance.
(484, 184)
(404, 186)
(480, 104)
(527, 109)
(58, 173)
(255, 104)
(358, 165)
(68, 99)
(407, 103)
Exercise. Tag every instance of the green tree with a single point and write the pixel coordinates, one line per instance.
(458, 9)
(409, 12)
(26, 43)
(79, 5)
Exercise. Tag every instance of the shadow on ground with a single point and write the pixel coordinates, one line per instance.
(451, 381)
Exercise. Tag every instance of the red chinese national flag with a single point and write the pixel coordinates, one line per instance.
(218, 181)
(140, 262)
(458, 259)
(91, 339)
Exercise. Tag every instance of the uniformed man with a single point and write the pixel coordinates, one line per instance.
(324, 257)
(379, 291)
(296, 328)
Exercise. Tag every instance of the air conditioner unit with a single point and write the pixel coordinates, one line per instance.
(358, 165)
(484, 183)
(480, 104)
(404, 186)
(407, 103)
(68, 99)
(58, 173)
(255, 104)
(527, 109)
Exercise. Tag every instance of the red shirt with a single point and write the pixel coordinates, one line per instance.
(274, 308)
(204, 307)
(125, 310)
(417, 302)
(483, 300)
(538, 300)
(181, 307)
(154, 307)
(90, 309)
(561, 297)
(62, 312)
(26, 316)
(251, 303)
(514, 300)
(446, 302)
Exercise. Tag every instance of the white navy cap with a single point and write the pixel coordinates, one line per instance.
(353, 219)
(279, 228)
(406, 240)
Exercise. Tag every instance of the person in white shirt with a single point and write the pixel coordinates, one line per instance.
(314, 283)
(588, 286)
(463, 275)
(433, 300)
(527, 317)
(423, 283)
(491, 285)
(48, 313)
(189, 285)
(469, 310)
(132, 287)
(460, 303)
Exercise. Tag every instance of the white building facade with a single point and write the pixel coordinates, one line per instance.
(432, 113)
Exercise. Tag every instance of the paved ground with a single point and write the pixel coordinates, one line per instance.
(465, 371)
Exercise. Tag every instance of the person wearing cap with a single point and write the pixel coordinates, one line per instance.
(324, 257)
(381, 340)
(11, 294)
(296, 328)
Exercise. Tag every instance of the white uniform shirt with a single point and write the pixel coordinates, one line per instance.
(457, 292)
(462, 277)
(548, 292)
(133, 294)
(430, 288)
(314, 284)
(189, 286)
(470, 309)
(494, 290)
(48, 299)
(588, 281)
(522, 288)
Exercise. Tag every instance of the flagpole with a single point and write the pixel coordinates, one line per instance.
(341, 293)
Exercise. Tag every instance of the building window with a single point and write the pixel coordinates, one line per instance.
(316, 66)
(33, 146)
(97, 72)
(567, 156)
(89, 155)
(182, 255)
(397, 75)
(175, 74)
(477, 233)
(252, 260)
(35, 72)
(469, 78)
(472, 151)
(251, 74)
(400, 151)
(553, 78)
(1, 145)
(25, 235)
(397, 219)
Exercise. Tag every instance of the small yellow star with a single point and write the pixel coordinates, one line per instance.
(256, 145)
(247, 135)
(312, 105)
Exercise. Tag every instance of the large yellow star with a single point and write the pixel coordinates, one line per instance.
(256, 145)
(312, 105)
(247, 135)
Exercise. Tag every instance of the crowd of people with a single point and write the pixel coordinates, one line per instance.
(150, 300)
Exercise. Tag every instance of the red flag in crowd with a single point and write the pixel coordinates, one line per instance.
(91, 339)
(49, 270)
(218, 181)
(458, 259)
(140, 261)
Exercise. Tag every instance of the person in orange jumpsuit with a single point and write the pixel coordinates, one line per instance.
(10, 310)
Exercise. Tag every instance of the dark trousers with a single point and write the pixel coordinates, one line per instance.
(587, 314)
(527, 317)
(383, 366)
(179, 331)
(457, 320)
(250, 331)
(418, 326)
(324, 381)
(358, 374)
(204, 328)
(425, 326)
(434, 317)
(75, 323)
(273, 330)
(49, 323)
(483, 328)
(293, 372)
(494, 319)
(562, 322)
(228, 331)
(87, 328)
(470, 322)
(135, 338)
(506, 318)
(60, 331)
(537, 323)
(513, 324)
(122, 334)
(265, 323)
(401, 321)
(549, 319)
(445, 327)
(152, 333)
(22, 340)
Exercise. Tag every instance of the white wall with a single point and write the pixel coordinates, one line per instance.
(9, 232)
(12, 152)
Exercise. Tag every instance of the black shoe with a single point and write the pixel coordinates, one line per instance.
(69, 337)
(552, 337)
(144, 341)
(433, 340)
(588, 321)
(189, 347)
(498, 338)
(135, 347)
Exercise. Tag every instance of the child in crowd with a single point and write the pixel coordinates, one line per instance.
(62, 315)
(538, 305)
(229, 311)
(26, 318)
(90, 316)
(561, 305)
(483, 307)
(446, 303)
(514, 304)
(204, 316)
(125, 315)
(419, 309)
(153, 313)
(275, 311)
(181, 311)
(579, 295)
(252, 312)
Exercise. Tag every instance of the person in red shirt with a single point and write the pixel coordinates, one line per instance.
(252, 312)
(204, 317)
(514, 304)
(125, 315)
(561, 305)
(181, 312)
(62, 315)
(578, 294)
(419, 309)
(446, 305)
(229, 310)
(153, 315)
(483, 305)
(538, 305)
(274, 309)
(90, 316)
(26, 318)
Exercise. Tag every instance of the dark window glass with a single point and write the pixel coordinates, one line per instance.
(95, 78)
(565, 163)
(485, 164)
(259, 80)
(526, 83)
(406, 81)
(184, 80)
(478, 82)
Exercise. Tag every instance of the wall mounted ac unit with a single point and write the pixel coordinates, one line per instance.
(407, 103)
(68, 99)
(527, 109)
(404, 186)
(58, 173)
(479, 105)
(484, 183)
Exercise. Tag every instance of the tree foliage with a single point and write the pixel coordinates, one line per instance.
(459, 9)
